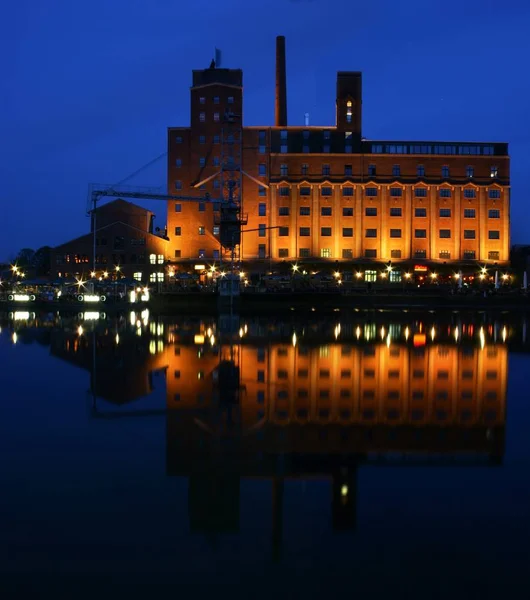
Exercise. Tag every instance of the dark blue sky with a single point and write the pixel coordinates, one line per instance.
(88, 88)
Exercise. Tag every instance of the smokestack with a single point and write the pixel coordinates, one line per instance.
(281, 84)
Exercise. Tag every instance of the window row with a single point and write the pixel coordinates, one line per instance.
(372, 170)
(217, 100)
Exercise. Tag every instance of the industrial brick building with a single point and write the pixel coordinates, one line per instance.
(126, 242)
(327, 194)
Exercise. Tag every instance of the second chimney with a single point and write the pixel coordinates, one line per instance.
(281, 84)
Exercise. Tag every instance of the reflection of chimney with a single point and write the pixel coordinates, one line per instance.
(281, 84)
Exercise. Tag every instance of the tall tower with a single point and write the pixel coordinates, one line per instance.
(349, 101)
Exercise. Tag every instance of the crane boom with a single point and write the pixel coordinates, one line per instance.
(98, 191)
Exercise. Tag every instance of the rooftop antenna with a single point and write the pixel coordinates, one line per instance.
(306, 119)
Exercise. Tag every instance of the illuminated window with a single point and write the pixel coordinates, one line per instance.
(160, 277)
(444, 254)
(325, 253)
(216, 229)
(493, 255)
(347, 253)
(160, 259)
(152, 277)
(370, 275)
(283, 149)
(137, 276)
(283, 134)
(152, 259)
(202, 230)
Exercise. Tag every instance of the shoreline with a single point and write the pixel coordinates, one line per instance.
(279, 302)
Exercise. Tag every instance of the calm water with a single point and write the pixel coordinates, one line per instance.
(363, 454)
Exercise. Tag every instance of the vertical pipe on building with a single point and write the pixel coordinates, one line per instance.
(281, 84)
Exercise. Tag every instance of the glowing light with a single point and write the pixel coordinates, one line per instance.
(132, 317)
(456, 275)
(91, 298)
(505, 276)
(337, 331)
(105, 274)
(22, 297)
(294, 340)
(388, 341)
(21, 315)
(358, 274)
(117, 339)
(242, 274)
(198, 339)
(212, 340)
(241, 332)
(15, 337)
(245, 328)
(91, 316)
(209, 332)
(336, 274)
(152, 347)
(294, 268)
(92, 274)
(80, 330)
(482, 338)
(504, 334)
(384, 275)
(118, 268)
(132, 297)
(407, 275)
(484, 270)
(434, 275)
(383, 332)
(433, 333)
(457, 334)
(482, 276)
(357, 332)
(344, 491)
(138, 324)
(407, 334)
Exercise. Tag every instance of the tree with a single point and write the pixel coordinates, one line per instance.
(24, 257)
(41, 261)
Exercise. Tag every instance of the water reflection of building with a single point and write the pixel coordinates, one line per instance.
(322, 411)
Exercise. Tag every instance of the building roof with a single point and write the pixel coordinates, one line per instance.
(89, 235)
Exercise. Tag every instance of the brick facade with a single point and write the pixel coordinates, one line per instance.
(331, 195)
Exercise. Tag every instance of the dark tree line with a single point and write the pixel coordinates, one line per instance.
(37, 260)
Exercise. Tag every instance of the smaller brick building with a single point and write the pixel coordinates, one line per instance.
(125, 238)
